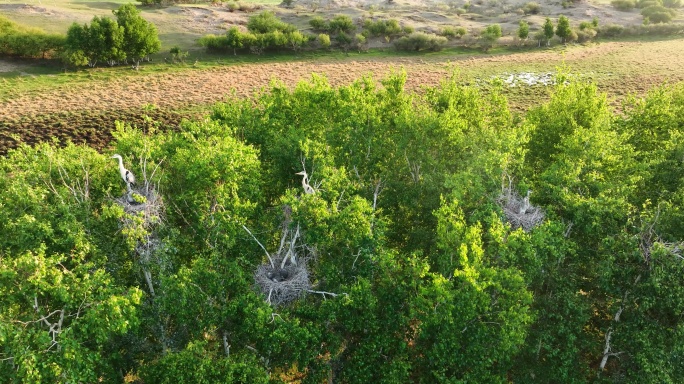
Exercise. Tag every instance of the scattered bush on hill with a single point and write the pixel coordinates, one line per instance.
(490, 36)
(623, 5)
(658, 14)
(610, 30)
(419, 41)
(452, 32)
(388, 28)
(341, 24)
(531, 8)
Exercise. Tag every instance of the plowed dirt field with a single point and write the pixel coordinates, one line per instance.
(619, 68)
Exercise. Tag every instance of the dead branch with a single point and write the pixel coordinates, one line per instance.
(226, 346)
(261, 245)
(376, 192)
(327, 293)
(607, 349)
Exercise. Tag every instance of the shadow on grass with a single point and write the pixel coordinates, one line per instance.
(106, 5)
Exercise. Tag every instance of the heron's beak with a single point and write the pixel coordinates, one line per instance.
(301, 173)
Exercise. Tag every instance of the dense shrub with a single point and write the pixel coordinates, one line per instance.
(672, 3)
(267, 22)
(448, 32)
(585, 25)
(278, 35)
(382, 27)
(611, 30)
(317, 23)
(360, 41)
(213, 42)
(584, 35)
(658, 14)
(668, 29)
(453, 32)
(341, 23)
(16, 40)
(623, 5)
(419, 41)
(531, 8)
(324, 40)
(489, 36)
(641, 4)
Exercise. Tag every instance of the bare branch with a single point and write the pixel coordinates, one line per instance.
(226, 346)
(261, 245)
(376, 192)
(326, 293)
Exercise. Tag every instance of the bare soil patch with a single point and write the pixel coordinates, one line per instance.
(619, 68)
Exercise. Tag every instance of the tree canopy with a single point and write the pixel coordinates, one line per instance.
(417, 266)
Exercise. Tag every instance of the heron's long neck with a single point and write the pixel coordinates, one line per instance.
(305, 181)
(121, 167)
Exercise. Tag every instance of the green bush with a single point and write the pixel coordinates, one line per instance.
(317, 23)
(382, 27)
(448, 32)
(489, 36)
(663, 29)
(584, 35)
(341, 23)
(214, 43)
(641, 4)
(531, 8)
(324, 40)
(658, 14)
(360, 41)
(419, 41)
(17, 40)
(611, 30)
(453, 32)
(267, 22)
(623, 5)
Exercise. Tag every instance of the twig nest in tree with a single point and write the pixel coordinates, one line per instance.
(143, 201)
(282, 285)
(520, 213)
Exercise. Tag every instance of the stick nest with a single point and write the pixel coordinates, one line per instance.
(143, 202)
(520, 213)
(284, 285)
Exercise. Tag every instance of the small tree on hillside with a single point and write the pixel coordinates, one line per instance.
(324, 40)
(548, 30)
(140, 36)
(489, 36)
(563, 28)
(341, 23)
(234, 39)
(523, 30)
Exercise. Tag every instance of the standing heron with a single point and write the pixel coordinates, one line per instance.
(126, 175)
(305, 183)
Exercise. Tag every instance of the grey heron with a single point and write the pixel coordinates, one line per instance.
(305, 183)
(126, 175)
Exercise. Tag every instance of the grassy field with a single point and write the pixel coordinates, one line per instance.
(39, 101)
